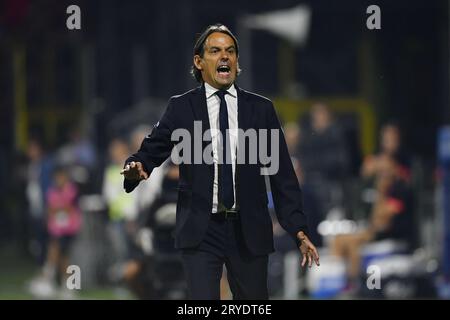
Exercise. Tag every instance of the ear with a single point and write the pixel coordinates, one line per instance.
(197, 62)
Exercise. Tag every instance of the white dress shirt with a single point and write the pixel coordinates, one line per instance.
(213, 103)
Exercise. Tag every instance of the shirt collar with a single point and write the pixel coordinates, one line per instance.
(210, 90)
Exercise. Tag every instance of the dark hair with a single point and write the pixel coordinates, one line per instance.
(199, 47)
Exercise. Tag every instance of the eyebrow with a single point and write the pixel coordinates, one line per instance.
(230, 47)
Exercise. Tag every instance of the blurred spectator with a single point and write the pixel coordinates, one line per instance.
(39, 176)
(390, 218)
(63, 223)
(119, 204)
(292, 135)
(121, 212)
(390, 147)
(324, 149)
(324, 158)
(79, 156)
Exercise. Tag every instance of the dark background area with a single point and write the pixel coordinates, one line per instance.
(409, 55)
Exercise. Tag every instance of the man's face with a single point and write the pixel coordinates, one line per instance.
(219, 63)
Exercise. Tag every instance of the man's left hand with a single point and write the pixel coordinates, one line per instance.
(308, 250)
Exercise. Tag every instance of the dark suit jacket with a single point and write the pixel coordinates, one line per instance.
(196, 180)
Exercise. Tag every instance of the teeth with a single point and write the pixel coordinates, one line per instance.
(223, 68)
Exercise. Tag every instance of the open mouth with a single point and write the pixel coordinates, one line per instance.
(223, 70)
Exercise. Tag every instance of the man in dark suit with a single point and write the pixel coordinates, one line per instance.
(222, 214)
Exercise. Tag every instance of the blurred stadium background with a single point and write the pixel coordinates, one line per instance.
(366, 115)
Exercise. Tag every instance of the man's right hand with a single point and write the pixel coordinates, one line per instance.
(134, 171)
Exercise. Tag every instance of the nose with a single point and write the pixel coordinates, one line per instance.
(224, 55)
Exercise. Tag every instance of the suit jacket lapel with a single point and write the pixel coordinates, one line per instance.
(199, 107)
(200, 111)
(244, 109)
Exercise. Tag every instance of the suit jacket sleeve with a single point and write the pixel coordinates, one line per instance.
(156, 147)
(285, 188)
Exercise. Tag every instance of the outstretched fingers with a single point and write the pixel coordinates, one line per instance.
(304, 260)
